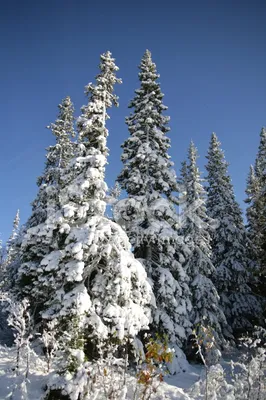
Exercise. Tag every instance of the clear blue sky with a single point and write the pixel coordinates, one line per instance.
(211, 56)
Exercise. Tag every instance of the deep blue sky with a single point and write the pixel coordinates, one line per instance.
(211, 56)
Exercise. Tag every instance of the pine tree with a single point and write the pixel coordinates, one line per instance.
(148, 213)
(196, 227)
(94, 287)
(229, 243)
(256, 200)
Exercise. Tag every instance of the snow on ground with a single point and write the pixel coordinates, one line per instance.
(165, 391)
(173, 388)
(185, 380)
(37, 375)
(182, 386)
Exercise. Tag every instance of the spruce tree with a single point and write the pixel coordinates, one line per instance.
(256, 214)
(207, 314)
(11, 243)
(1, 254)
(8, 266)
(94, 288)
(8, 257)
(2, 266)
(148, 213)
(252, 191)
(11, 259)
(260, 163)
(40, 234)
(229, 243)
(57, 158)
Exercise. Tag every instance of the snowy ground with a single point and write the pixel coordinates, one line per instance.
(175, 387)
(37, 376)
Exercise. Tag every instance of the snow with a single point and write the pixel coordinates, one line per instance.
(186, 385)
(50, 261)
(69, 210)
(174, 387)
(37, 376)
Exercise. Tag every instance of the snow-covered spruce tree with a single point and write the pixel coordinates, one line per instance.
(11, 243)
(229, 244)
(10, 257)
(7, 254)
(57, 158)
(7, 272)
(3, 315)
(2, 267)
(40, 234)
(148, 213)
(260, 162)
(252, 192)
(196, 226)
(256, 214)
(97, 290)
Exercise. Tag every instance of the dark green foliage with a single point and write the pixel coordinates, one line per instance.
(229, 244)
(256, 213)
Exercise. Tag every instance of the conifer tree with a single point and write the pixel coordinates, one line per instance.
(57, 158)
(11, 258)
(256, 215)
(8, 255)
(252, 191)
(11, 246)
(40, 235)
(1, 252)
(229, 243)
(8, 265)
(1, 259)
(2, 268)
(93, 286)
(148, 213)
(260, 162)
(196, 228)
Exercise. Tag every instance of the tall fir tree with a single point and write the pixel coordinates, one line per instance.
(12, 254)
(229, 242)
(252, 192)
(256, 211)
(11, 243)
(40, 235)
(8, 257)
(8, 265)
(260, 162)
(94, 287)
(2, 266)
(1, 252)
(196, 226)
(148, 213)
(57, 158)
